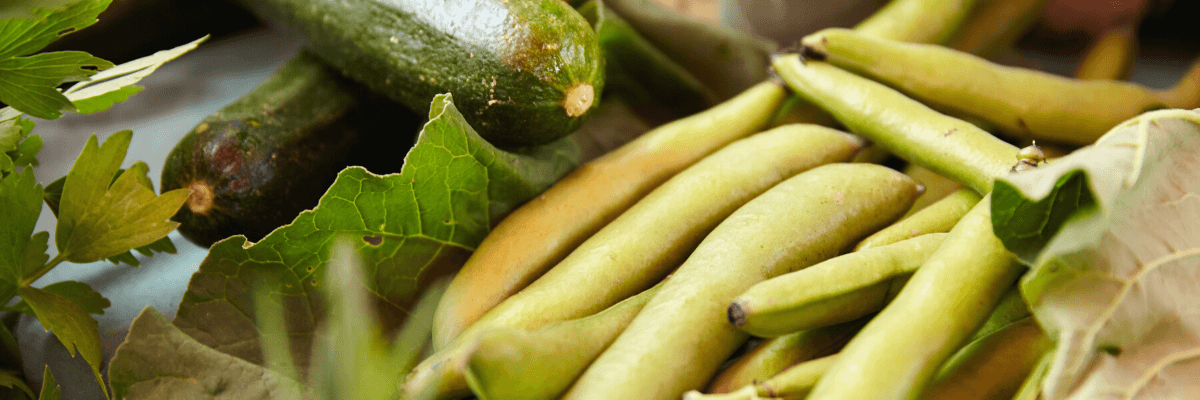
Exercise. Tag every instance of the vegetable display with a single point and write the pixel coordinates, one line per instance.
(606, 199)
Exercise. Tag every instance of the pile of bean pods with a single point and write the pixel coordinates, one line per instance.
(647, 273)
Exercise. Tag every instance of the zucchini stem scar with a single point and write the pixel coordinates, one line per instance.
(201, 200)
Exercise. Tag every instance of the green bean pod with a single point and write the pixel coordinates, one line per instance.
(948, 146)
(647, 241)
(937, 218)
(838, 290)
(919, 21)
(992, 367)
(540, 365)
(1010, 309)
(791, 384)
(1020, 102)
(899, 352)
(995, 25)
(937, 187)
(776, 354)
(680, 339)
(1111, 55)
(540, 233)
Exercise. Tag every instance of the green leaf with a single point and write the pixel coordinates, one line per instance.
(1115, 282)
(158, 361)
(13, 379)
(10, 353)
(17, 148)
(22, 33)
(53, 196)
(96, 220)
(26, 152)
(105, 101)
(410, 228)
(70, 323)
(77, 292)
(50, 389)
(115, 84)
(29, 84)
(20, 206)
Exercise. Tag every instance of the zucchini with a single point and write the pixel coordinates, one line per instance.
(261, 160)
(523, 72)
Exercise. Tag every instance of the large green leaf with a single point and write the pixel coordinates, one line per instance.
(410, 228)
(1113, 234)
(157, 361)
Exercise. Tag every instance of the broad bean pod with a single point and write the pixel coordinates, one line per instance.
(834, 291)
(679, 340)
(647, 241)
(543, 231)
(1020, 102)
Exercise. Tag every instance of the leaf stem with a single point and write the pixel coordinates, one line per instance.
(32, 277)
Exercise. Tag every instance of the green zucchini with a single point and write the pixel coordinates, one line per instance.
(261, 160)
(523, 72)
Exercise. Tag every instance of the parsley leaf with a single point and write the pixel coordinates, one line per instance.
(25, 34)
(30, 83)
(78, 292)
(69, 322)
(97, 221)
(20, 206)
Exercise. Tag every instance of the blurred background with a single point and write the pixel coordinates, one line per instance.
(242, 52)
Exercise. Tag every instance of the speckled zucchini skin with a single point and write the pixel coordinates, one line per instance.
(514, 67)
(261, 160)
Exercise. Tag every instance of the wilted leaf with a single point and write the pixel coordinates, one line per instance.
(411, 228)
(1116, 283)
(157, 361)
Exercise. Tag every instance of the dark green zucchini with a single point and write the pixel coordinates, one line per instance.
(523, 72)
(261, 160)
